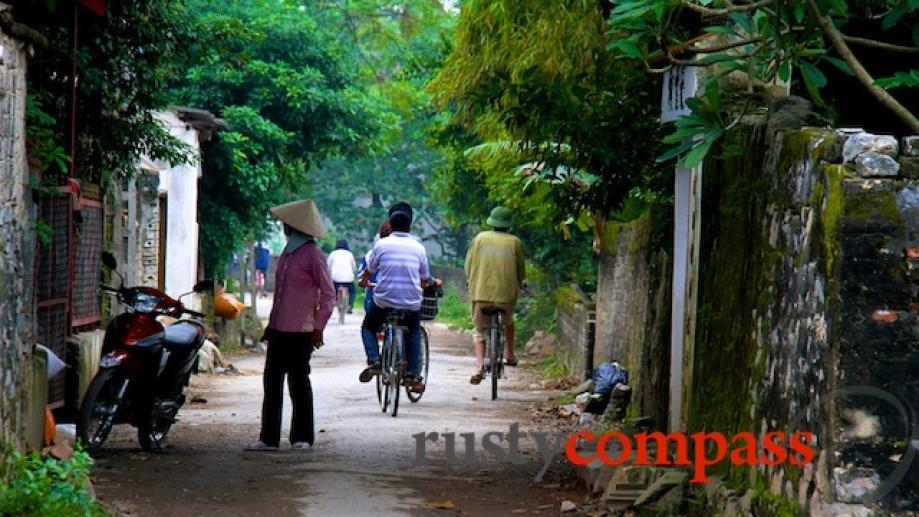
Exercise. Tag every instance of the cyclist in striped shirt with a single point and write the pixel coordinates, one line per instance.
(400, 264)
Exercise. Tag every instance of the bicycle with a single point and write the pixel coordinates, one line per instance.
(393, 367)
(342, 303)
(494, 352)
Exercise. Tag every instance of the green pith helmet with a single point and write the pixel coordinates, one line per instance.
(500, 217)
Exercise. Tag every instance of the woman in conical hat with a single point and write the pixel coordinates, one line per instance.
(303, 300)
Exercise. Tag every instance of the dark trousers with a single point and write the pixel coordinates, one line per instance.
(374, 320)
(352, 291)
(288, 354)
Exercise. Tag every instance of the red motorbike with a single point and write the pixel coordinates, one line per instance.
(144, 368)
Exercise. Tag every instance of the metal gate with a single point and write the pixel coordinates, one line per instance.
(87, 259)
(52, 284)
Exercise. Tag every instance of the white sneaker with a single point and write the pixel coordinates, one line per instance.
(300, 446)
(261, 446)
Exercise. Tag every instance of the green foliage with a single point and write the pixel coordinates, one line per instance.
(454, 310)
(762, 43)
(396, 47)
(43, 137)
(908, 79)
(291, 96)
(45, 486)
(535, 313)
(544, 121)
(123, 61)
(537, 72)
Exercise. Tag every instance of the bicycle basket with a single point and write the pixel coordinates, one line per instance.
(429, 303)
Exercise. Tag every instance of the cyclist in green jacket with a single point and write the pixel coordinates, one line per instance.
(495, 273)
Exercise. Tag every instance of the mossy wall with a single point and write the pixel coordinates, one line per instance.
(808, 284)
(766, 303)
(633, 307)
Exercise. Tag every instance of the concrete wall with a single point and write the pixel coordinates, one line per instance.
(180, 184)
(17, 245)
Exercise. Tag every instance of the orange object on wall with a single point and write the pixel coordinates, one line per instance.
(50, 427)
(228, 306)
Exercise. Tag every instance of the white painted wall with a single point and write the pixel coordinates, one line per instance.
(180, 184)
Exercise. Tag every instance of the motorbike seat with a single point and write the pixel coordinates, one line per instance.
(181, 334)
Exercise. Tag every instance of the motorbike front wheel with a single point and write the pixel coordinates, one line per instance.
(153, 437)
(100, 406)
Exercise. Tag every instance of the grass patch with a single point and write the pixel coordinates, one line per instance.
(551, 367)
(454, 310)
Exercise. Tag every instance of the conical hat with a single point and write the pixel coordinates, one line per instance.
(301, 215)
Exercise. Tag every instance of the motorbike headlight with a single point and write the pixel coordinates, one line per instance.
(144, 302)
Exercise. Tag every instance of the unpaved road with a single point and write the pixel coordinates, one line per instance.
(363, 462)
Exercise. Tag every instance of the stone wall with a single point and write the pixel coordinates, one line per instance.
(633, 309)
(17, 245)
(576, 328)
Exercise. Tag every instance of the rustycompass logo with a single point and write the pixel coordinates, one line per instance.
(615, 448)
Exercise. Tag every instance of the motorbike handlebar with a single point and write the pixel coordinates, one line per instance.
(108, 289)
(195, 313)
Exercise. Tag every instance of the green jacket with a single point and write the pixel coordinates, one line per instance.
(494, 267)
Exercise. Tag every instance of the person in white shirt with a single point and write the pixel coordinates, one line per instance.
(341, 267)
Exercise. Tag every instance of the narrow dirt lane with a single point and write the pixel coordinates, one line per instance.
(363, 461)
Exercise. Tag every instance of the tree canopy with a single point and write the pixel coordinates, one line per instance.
(289, 91)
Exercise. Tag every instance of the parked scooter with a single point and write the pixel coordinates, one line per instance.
(145, 366)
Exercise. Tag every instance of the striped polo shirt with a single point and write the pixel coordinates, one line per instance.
(399, 262)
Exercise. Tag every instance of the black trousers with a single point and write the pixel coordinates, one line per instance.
(288, 354)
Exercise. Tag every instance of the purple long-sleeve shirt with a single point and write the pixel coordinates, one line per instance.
(303, 292)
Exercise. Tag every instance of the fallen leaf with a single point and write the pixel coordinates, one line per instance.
(446, 504)
(475, 398)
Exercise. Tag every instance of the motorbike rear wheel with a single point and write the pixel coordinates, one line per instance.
(99, 408)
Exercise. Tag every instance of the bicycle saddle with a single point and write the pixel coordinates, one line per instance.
(491, 311)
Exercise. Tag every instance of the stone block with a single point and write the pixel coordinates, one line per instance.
(855, 485)
(910, 145)
(909, 167)
(873, 165)
(862, 143)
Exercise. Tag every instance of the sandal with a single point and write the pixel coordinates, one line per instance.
(477, 378)
(368, 373)
(413, 383)
(511, 362)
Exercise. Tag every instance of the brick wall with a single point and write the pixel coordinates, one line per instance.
(17, 244)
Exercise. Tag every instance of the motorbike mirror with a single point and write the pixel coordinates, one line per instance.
(109, 260)
(204, 285)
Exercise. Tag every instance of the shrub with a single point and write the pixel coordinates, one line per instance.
(46, 486)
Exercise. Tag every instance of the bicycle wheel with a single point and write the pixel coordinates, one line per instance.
(425, 366)
(384, 379)
(379, 376)
(496, 355)
(395, 380)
